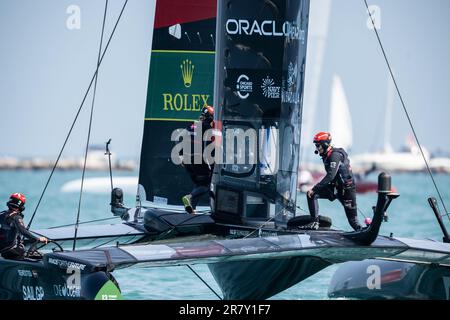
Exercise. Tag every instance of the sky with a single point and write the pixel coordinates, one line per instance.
(46, 66)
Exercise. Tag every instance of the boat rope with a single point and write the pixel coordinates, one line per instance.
(84, 222)
(86, 150)
(360, 211)
(264, 224)
(115, 239)
(220, 298)
(405, 110)
(76, 116)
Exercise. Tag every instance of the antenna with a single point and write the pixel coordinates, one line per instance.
(108, 153)
(434, 205)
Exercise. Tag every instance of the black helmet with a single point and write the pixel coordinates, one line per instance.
(17, 200)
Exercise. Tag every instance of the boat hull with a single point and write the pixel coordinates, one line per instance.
(262, 279)
(40, 280)
(377, 279)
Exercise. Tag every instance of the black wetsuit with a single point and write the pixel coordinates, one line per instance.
(200, 173)
(337, 183)
(11, 230)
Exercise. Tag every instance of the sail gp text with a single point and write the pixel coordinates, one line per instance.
(225, 310)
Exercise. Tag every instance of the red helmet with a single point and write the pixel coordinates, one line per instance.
(17, 200)
(323, 139)
(207, 112)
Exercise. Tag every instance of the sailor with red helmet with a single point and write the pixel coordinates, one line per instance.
(12, 229)
(337, 183)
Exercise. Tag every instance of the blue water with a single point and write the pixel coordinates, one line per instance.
(409, 216)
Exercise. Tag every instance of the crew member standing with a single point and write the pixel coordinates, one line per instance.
(200, 173)
(338, 182)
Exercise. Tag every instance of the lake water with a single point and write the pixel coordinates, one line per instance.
(409, 216)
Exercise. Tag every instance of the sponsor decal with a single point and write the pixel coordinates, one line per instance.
(180, 84)
(175, 31)
(269, 89)
(66, 264)
(289, 94)
(63, 290)
(244, 86)
(25, 273)
(238, 232)
(32, 292)
(374, 278)
(265, 28)
(187, 72)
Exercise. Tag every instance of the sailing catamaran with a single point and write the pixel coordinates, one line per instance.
(251, 66)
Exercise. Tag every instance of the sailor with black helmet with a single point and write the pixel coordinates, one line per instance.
(12, 229)
(200, 173)
(337, 183)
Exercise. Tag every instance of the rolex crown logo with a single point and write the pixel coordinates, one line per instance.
(187, 71)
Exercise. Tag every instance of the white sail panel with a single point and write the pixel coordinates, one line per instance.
(340, 119)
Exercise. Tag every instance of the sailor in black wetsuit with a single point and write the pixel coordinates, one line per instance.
(12, 229)
(338, 182)
(200, 173)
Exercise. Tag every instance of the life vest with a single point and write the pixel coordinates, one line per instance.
(8, 232)
(345, 174)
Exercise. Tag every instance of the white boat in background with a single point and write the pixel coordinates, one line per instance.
(102, 185)
(410, 159)
(440, 164)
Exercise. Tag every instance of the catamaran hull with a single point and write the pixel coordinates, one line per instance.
(26, 280)
(377, 279)
(262, 279)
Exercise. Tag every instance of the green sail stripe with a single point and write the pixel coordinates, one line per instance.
(183, 51)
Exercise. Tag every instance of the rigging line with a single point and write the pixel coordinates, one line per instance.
(76, 116)
(362, 212)
(204, 281)
(90, 127)
(111, 240)
(405, 110)
(265, 223)
(84, 222)
(289, 203)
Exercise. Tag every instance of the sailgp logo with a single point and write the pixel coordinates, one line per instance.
(187, 72)
(268, 28)
(244, 86)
